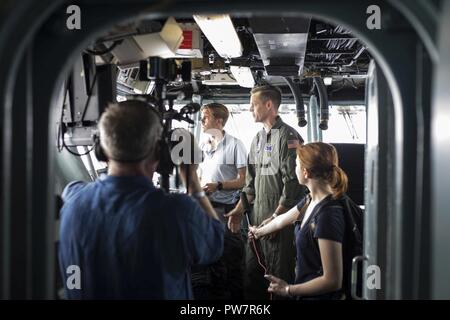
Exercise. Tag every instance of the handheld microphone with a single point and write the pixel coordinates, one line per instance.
(246, 206)
(257, 249)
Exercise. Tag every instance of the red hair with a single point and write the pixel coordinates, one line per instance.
(322, 162)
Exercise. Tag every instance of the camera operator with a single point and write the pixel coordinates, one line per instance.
(129, 239)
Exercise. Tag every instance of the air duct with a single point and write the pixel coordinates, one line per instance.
(299, 106)
(323, 97)
(281, 43)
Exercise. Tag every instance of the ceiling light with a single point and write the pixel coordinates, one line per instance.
(220, 32)
(328, 81)
(243, 76)
(220, 79)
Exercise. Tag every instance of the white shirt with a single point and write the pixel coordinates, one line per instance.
(222, 164)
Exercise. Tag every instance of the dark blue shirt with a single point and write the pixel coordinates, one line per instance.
(324, 222)
(134, 241)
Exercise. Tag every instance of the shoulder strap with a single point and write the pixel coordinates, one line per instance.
(326, 201)
(348, 207)
(301, 214)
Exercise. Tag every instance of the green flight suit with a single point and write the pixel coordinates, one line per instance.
(272, 180)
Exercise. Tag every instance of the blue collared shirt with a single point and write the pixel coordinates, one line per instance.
(132, 240)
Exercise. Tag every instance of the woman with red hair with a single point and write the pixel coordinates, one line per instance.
(319, 227)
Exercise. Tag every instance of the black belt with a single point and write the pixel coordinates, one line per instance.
(227, 207)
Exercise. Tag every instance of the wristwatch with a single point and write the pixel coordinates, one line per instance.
(219, 185)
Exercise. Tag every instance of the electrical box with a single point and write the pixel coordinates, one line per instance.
(161, 44)
(192, 45)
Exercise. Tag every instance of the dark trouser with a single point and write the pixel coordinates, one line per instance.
(222, 279)
(278, 256)
(336, 295)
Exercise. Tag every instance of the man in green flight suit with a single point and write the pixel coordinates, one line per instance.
(273, 186)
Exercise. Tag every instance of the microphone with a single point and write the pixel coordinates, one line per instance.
(257, 249)
(246, 206)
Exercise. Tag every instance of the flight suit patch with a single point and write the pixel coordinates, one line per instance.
(293, 143)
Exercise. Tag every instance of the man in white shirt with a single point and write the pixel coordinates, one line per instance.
(224, 167)
(222, 176)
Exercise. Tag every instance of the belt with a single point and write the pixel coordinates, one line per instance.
(227, 207)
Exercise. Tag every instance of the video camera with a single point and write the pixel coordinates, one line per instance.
(88, 95)
(163, 71)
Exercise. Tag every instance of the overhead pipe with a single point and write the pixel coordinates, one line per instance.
(323, 97)
(355, 58)
(299, 106)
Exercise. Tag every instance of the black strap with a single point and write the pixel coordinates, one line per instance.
(302, 211)
(320, 205)
(326, 201)
(349, 214)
